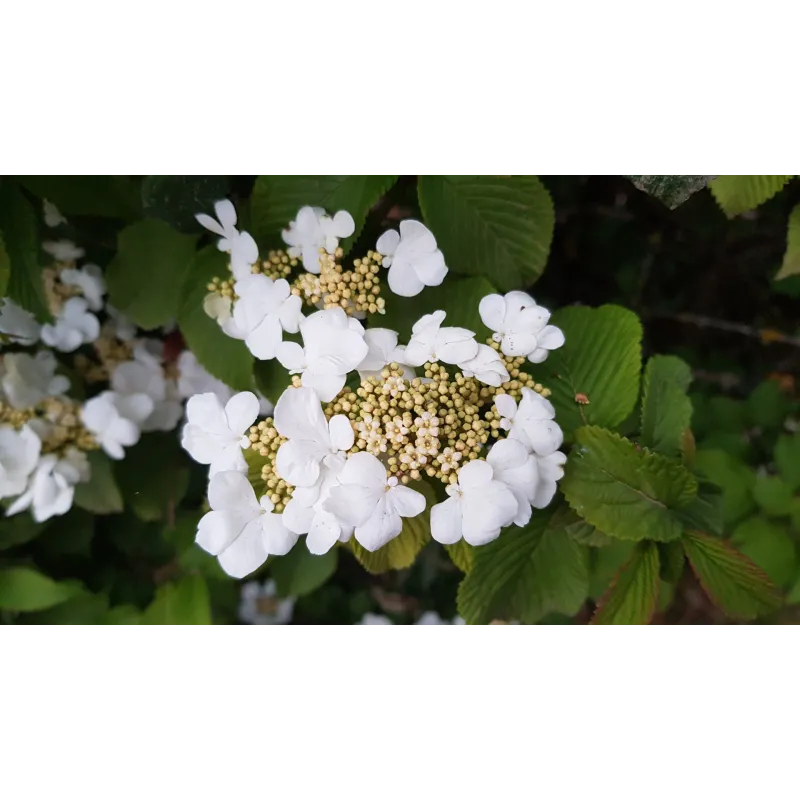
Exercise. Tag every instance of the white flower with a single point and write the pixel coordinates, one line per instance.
(193, 378)
(89, 279)
(115, 420)
(520, 325)
(260, 605)
(487, 367)
(532, 422)
(374, 619)
(430, 342)
(518, 469)
(383, 350)
(73, 327)
(63, 250)
(478, 507)
(19, 453)
(220, 308)
(264, 310)
(52, 216)
(371, 501)
(313, 229)
(17, 324)
(51, 487)
(240, 245)
(432, 618)
(123, 326)
(312, 439)
(239, 530)
(333, 346)
(215, 435)
(413, 259)
(551, 469)
(27, 380)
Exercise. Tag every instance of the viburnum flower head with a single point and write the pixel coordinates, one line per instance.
(63, 250)
(531, 422)
(239, 530)
(333, 346)
(430, 342)
(518, 469)
(413, 259)
(27, 380)
(73, 327)
(312, 229)
(520, 325)
(17, 324)
(383, 350)
(115, 421)
(240, 246)
(215, 435)
(487, 367)
(19, 454)
(312, 439)
(372, 501)
(89, 281)
(478, 506)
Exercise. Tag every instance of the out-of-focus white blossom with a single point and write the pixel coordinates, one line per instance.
(19, 454)
(16, 324)
(73, 327)
(260, 605)
(27, 380)
(115, 420)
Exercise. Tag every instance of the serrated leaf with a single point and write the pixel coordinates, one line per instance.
(671, 190)
(300, 572)
(625, 492)
(769, 546)
(734, 478)
(21, 242)
(773, 495)
(500, 227)
(462, 554)
(671, 561)
(225, 358)
(791, 258)
(146, 278)
(579, 530)
(24, 589)
(176, 199)
(604, 562)
(524, 575)
(601, 359)
(732, 581)
(182, 603)
(632, 596)
(666, 408)
(736, 194)
(100, 494)
(89, 195)
(277, 199)
(704, 513)
(787, 459)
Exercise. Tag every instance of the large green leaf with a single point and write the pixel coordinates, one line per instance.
(183, 603)
(100, 494)
(462, 554)
(666, 408)
(736, 194)
(499, 227)
(91, 195)
(631, 599)
(791, 258)
(732, 581)
(774, 495)
(787, 458)
(272, 379)
(146, 279)
(24, 589)
(21, 242)
(277, 199)
(601, 359)
(225, 358)
(300, 572)
(671, 190)
(623, 491)
(770, 547)
(734, 478)
(525, 574)
(177, 198)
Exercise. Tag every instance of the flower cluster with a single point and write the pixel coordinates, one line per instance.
(369, 427)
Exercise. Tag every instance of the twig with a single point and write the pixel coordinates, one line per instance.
(764, 335)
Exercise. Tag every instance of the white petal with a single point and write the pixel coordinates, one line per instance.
(210, 224)
(446, 521)
(387, 242)
(430, 268)
(405, 501)
(247, 552)
(264, 340)
(364, 469)
(381, 527)
(323, 534)
(226, 214)
(456, 345)
(298, 461)
(382, 344)
(487, 511)
(418, 352)
(507, 454)
(241, 412)
(538, 355)
(232, 491)
(291, 356)
(544, 436)
(545, 491)
(353, 504)
(326, 387)
(343, 224)
(475, 474)
(218, 529)
(206, 412)
(298, 415)
(279, 540)
(403, 280)
(506, 405)
(415, 236)
(551, 337)
(492, 309)
(298, 517)
(290, 314)
(342, 435)
(518, 344)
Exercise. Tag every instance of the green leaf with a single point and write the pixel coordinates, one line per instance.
(459, 297)
(24, 589)
(625, 492)
(631, 598)
(735, 478)
(773, 495)
(154, 476)
(183, 603)
(791, 258)
(21, 242)
(271, 378)
(666, 408)
(525, 574)
(100, 494)
(704, 513)
(769, 546)
(767, 407)
(17, 530)
(277, 199)
(462, 554)
(176, 199)
(146, 279)
(601, 359)
(225, 358)
(787, 459)
(89, 195)
(499, 227)
(5, 267)
(579, 530)
(300, 572)
(84, 609)
(671, 190)
(671, 559)
(604, 564)
(732, 581)
(736, 194)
